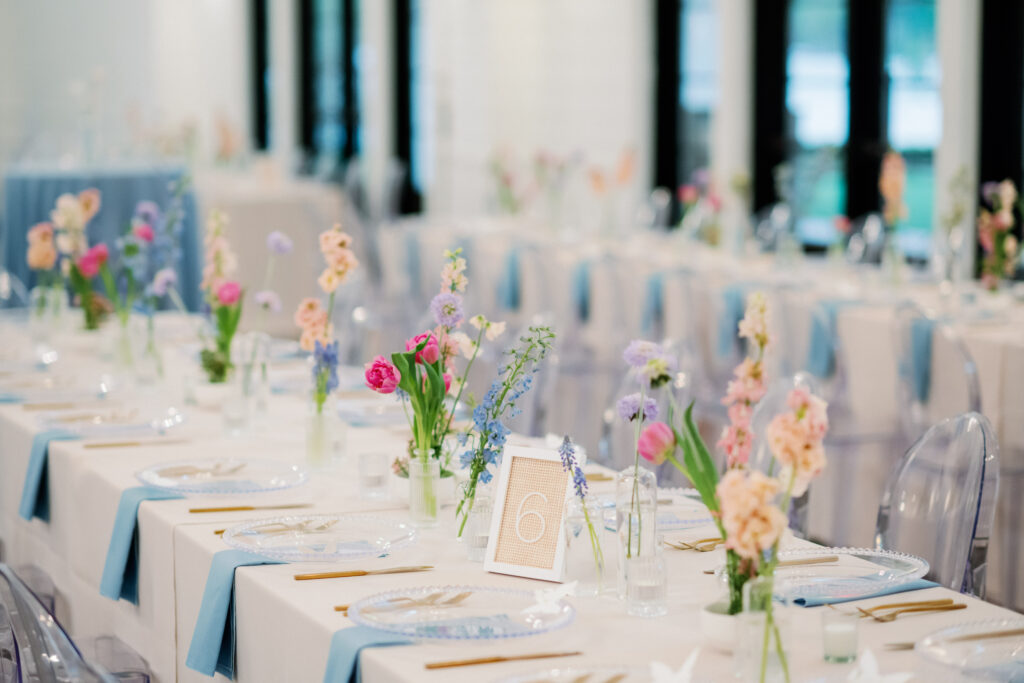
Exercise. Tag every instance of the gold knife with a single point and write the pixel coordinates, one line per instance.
(248, 508)
(493, 660)
(133, 444)
(361, 572)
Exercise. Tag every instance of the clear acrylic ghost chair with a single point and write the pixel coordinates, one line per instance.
(920, 335)
(13, 293)
(617, 447)
(39, 649)
(771, 404)
(1005, 580)
(941, 499)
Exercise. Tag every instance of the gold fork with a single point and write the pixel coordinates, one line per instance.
(896, 605)
(703, 545)
(891, 616)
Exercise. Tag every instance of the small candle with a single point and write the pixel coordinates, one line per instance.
(839, 637)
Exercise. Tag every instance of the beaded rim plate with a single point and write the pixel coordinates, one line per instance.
(885, 568)
(223, 475)
(321, 538)
(449, 613)
(112, 420)
(962, 647)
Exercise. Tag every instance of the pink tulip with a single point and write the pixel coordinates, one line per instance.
(430, 353)
(144, 232)
(382, 376)
(229, 293)
(657, 441)
(92, 260)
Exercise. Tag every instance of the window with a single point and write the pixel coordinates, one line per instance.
(914, 110)
(412, 90)
(329, 111)
(698, 87)
(818, 115)
(260, 74)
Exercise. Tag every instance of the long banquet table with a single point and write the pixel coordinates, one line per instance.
(284, 627)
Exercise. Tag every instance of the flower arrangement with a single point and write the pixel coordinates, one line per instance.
(701, 207)
(41, 257)
(69, 219)
(224, 297)
(579, 485)
(995, 233)
(485, 439)
(892, 181)
(311, 317)
(748, 385)
(652, 366)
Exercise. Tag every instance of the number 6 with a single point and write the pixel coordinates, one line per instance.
(520, 516)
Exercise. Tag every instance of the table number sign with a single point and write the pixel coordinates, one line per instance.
(527, 537)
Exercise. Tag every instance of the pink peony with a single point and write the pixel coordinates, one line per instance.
(428, 354)
(144, 232)
(229, 293)
(382, 376)
(92, 260)
(657, 441)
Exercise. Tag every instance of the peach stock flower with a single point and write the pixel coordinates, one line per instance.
(748, 384)
(796, 439)
(891, 183)
(750, 517)
(42, 253)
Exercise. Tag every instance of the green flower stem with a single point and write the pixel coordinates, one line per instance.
(634, 504)
(595, 544)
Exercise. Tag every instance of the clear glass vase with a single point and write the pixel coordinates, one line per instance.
(424, 486)
(324, 435)
(478, 525)
(123, 346)
(236, 409)
(47, 308)
(636, 512)
(252, 351)
(588, 548)
(149, 367)
(762, 635)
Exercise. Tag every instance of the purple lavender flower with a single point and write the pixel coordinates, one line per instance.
(640, 351)
(147, 212)
(628, 408)
(447, 309)
(268, 300)
(279, 243)
(570, 465)
(990, 192)
(163, 281)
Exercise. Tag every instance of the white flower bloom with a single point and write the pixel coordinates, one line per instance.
(495, 330)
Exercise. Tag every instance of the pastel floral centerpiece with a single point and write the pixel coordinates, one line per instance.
(651, 365)
(995, 233)
(748, 384)
(70, 218)
(313, 318)
(41, 258)
(570, 463)
(223, 295)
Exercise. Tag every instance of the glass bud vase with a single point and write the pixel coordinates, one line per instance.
(587, 552)
(424, 486)
(252, 351)
(478, 526)
(149, 368)
(124, 356)
(636, 511)
(45, 314)
(761, 641)
(324, 435)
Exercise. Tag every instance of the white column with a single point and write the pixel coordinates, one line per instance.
(284, 131)
(732, 121)
(376, 116)
(958, 29)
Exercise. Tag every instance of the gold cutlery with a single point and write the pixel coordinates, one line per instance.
(361, 572)
(703, 545)
(494, 660)
(108, 417)
(896, 605)
(133, 444)
(218, 470)
(57, 405)
(598, 476)
(891, 616)
(429, 601)
(825, 559)
(249, 508)
(1008, 633)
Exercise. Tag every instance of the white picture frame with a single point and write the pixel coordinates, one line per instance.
(527, 536)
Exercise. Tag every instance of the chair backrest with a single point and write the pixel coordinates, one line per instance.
(40, 649)
(940, 501)
(921, 337)
(13, 293)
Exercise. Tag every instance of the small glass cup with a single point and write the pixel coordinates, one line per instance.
(478, 528)
(839, 636)
(374, 472)
(647, 584)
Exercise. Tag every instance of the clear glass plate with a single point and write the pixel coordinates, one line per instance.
(223, 475)
(589, 674)
(114, 420)
(321, 538)
(859, 572)
(459, 613)
(965, 647)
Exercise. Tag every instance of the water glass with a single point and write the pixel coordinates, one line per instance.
(647, 585)
(374, 472)
(839, 636)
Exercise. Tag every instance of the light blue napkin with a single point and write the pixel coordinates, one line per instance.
(509, 288)
(817, 601)
(581, 290)
(35, 495)
(121, 570)
(213, 640)
(921, 356)
(733, 306)
(654, 302)
(11, 398)
(346, 644)
(412, 262)
(821, 349)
